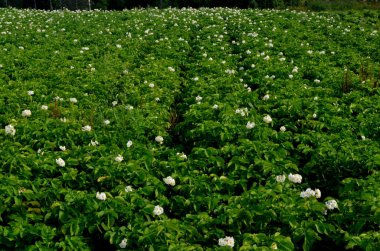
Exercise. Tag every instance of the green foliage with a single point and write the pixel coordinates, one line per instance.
(179, 129)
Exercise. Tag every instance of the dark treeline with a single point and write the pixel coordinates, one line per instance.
(128, 4)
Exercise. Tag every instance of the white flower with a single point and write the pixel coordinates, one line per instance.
(295, 178)
(159, 139)
(129, 107)
(308, 193)
(331, 204)
(227, 241)
(274, 246)
(73, 100)
(60, 162)
(315, 98)
(158, 210)
(253, 65)
(157, 99)
(198, 98)
(128, 189)
(282, 128)
(44, 107)
(171, 69)
(123, 243)
(267, 119)
(266, 97)
(314, 115)
(30, 93)
(295, 69)
(250, 125)
(196, 79)
(169, 181)
(114, 103)
(280, 178)
(101, 196)
(64, 120)
(318, 193)
(86, 128)
(317, 81)
(63, 148)
(9, 129)
(290, 76)
(363, 137)
(222, 242)
(151, 85)
(93, 143)
(242, 111)
(26, 113)
(129, 143)
(215, 106)
(182, 155)
(119, 158)
(118, 46)
(106, 122)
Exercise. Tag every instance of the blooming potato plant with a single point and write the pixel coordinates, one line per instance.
(191, 129)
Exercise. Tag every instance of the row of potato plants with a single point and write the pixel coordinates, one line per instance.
(188, 129)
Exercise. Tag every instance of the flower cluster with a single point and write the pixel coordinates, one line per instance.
(159, 139)
(60, 162)
(267, 119)
(123, 243)
(9, 129)
(158, 210)
(331, 204)
(101, 196)
(182, 156)
(295, 178)
(129, 143)
(242, 111)
(26, 113)
(86, 128)
(169, 181)
(119, 158)
(227, 241)
(311, 193)
(250, 125)
(128, 189)
(280, 178)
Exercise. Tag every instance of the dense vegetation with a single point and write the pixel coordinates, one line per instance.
(189, 129)
(316, 5)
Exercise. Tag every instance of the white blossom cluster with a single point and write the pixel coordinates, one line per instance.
(123, 243)
(158, 210)
(266, 97)
(101, 196)
(86, 128)
(26, 113)
(227, 241)
(267, 119)
(159, 139)
(9, 129)
(119, 158)
(242, 111)
(128, 189)
(311, 193)
(280, 178)
(295, 178)
(129, 143)
(60, 162)
(331, 204)
(182, 156)
(250, 125)
(169, 181)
